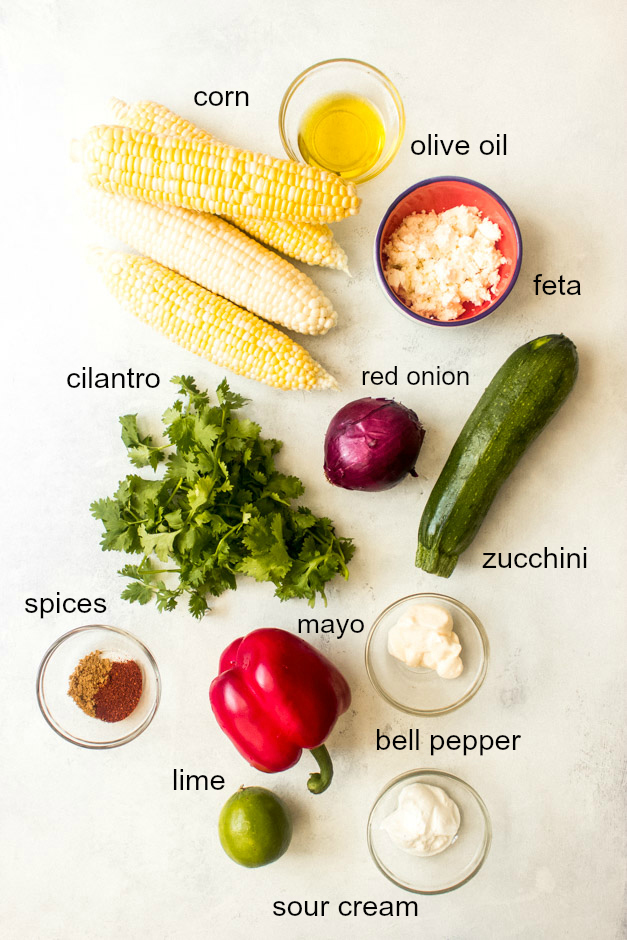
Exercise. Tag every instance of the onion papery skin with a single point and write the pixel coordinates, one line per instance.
(372, 444)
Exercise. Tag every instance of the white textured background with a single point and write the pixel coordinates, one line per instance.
(96, 845)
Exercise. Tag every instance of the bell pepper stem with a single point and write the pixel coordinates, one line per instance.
(318, 782)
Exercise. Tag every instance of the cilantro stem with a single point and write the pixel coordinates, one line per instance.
(145, 568)
(218, 447)
(226, 535)
(173, 493)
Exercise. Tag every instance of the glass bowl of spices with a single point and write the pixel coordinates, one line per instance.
(98, 686)
(345, 116)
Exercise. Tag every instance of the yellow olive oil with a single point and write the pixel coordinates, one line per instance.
(342, 133)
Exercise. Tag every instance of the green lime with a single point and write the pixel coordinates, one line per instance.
(255, 827)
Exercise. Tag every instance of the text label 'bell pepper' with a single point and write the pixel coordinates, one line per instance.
(276, 695)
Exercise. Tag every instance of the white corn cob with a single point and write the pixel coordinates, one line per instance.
(217, 256)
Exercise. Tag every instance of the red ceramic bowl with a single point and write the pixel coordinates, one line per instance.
(439, 194)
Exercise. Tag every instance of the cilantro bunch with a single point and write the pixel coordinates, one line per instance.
(221, 509)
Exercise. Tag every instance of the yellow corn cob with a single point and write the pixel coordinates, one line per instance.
(306, 241)
(208, 325)
(212, 177)
(217, 256)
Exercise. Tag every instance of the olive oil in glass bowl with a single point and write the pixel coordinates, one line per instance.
(342, 133)
(344, 116)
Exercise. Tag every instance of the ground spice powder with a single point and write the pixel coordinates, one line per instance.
(120, 694)
(89, 676)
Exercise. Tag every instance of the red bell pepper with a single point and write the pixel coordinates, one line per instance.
(276, 695)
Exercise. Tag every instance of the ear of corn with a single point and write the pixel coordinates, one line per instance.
(217, 256)
(156, 119)
(212, 177)
(306, 241)
(208, 325)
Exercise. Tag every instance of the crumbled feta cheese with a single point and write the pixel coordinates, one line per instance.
(437, 262)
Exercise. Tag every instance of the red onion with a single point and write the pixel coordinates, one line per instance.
(371, 444)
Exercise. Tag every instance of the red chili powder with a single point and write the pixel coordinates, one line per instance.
(118, 697)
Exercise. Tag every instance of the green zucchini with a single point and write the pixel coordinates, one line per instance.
(519, 402)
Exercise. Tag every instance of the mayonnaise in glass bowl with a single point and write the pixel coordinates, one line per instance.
(447, 870)
(421, 691)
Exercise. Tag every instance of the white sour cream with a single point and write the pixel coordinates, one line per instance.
(425, 822)
(424, 637)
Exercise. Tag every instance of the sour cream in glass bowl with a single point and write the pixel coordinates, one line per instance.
(445, 870)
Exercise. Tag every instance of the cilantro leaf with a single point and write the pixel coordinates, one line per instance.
(181, 467)
(200, 493)
(188, 388)
(166, 599)
(118, 534)
(137, 591)
(268, 559)
(206, 434)
(161, 543)
(141, 451)
(228, 399)
(198, 605)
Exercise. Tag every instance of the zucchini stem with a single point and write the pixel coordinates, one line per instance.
(435, 562)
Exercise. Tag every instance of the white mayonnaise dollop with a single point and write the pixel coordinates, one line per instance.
(424, 637)
(425, 822)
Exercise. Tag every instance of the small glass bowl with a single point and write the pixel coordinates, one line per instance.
(421, 691)
(447, 870)
(64, 715)
(350, 76)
